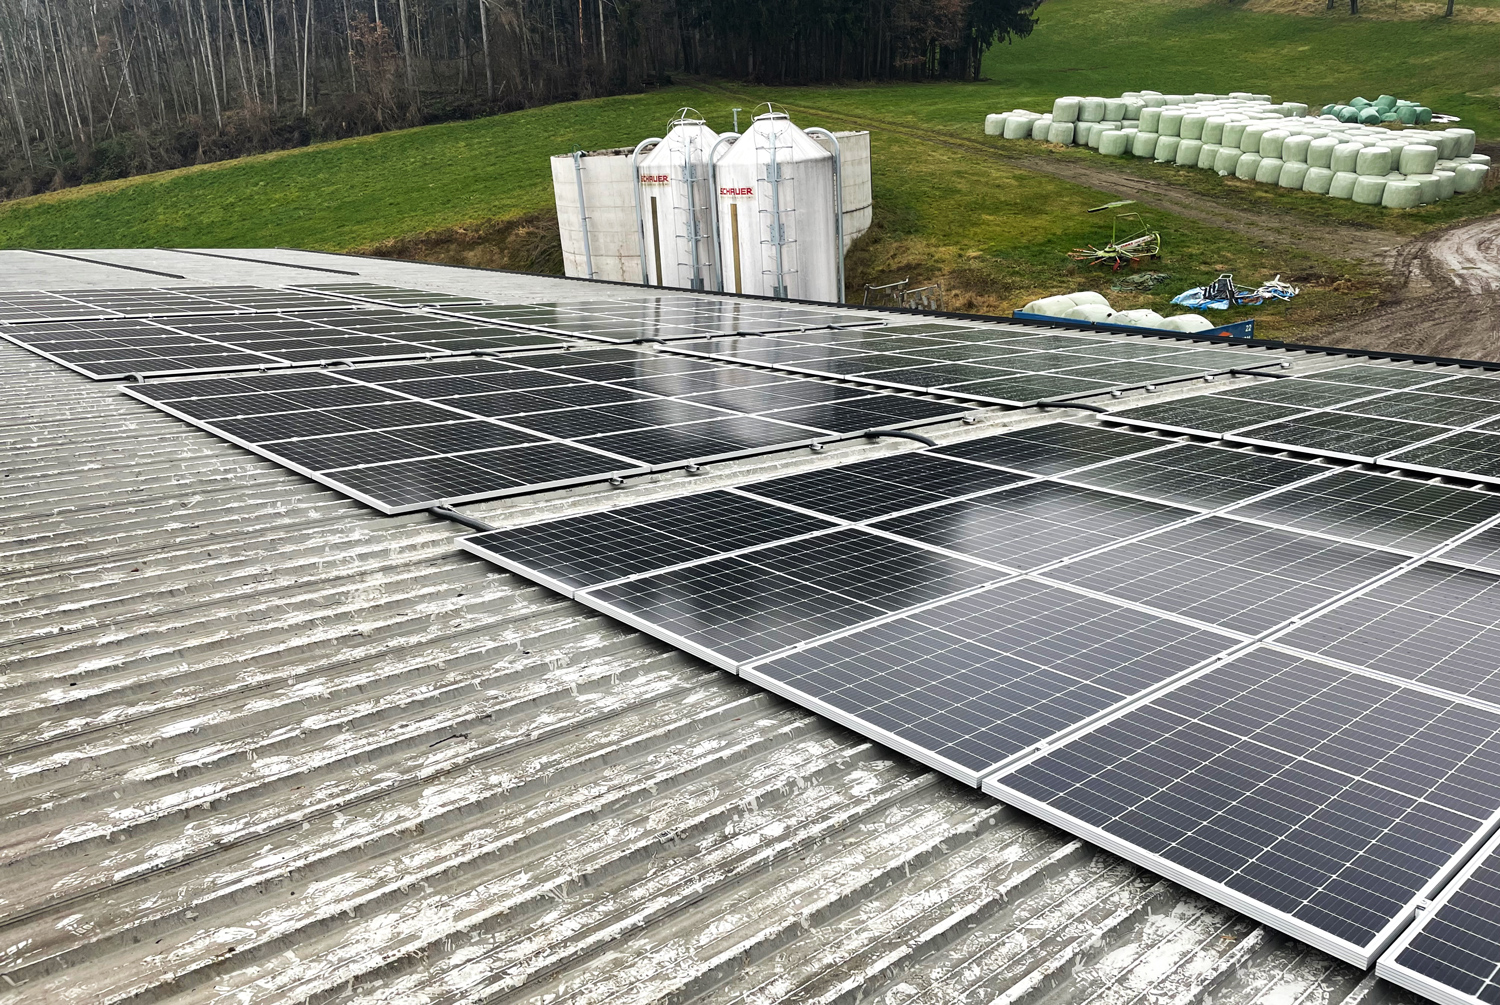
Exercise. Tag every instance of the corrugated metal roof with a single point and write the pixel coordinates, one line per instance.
(262, 744)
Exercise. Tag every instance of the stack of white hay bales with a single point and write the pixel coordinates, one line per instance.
(1248, 136)
(1092, 308)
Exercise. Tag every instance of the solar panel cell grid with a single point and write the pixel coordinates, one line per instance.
(1231, 575)
(1032, 525)
(879, 487)
(1301, 392)
(736, 609)
(1192, 474)
(1434, 625)
(1335, 434)
(1206, 414)
(601, 547)
(1380, 510)
(1053, 448)
(1450, 953)
(978, 679)
(1470, 454)
(1276, 782)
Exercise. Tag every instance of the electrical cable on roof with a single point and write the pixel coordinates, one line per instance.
(874, 434)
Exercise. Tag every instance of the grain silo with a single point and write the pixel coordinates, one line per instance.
(676, 208)
(778, 213)
(854, 174)
(595, 196)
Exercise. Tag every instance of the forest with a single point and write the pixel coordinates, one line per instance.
(99, 89)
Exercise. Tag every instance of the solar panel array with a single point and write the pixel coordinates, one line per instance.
(1452, 952)
(391, 296)
(1270, 679)
(663, 318)
(407, 436)
(1247, 665)
(992, 364)
(1443, 421)
(70, 305)
(115, 348)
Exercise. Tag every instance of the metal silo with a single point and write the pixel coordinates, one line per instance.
(675, 233)
(595, 196)
(857, 194)
(778, 217)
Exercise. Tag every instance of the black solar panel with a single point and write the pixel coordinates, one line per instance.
(489, 442)
(1303, 392)
(1469, 454)
(111, 349)
(1204, 414)
(735, 609)
(1192, 474)
(973, 681)
(1451, 953)
(882, 486)
(1392, 377)
(1437, 409)
(1031, 525)
(1434, 624)
(582, 551)
(1335, 434)
(1322, 801)
(1231, 575)
(1052, 449)
(395, 296)
(1374, 509)
(36, 306)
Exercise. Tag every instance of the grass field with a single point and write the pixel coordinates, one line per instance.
(952, 204)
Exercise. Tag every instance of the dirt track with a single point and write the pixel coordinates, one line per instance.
(1444, 297)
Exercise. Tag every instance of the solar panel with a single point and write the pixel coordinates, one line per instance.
(1321, 801)
(1470, 454)
(1196, 475)
(1451, 953)
(1303, 392)
(1226, 574)
(868, 489)
(113, 349)
(1369, 375)
(993, 365)
(1031, 525)
(1336, 434)
(65, 305)
(664, 318)
(734, 609)
(1437, 409)
(1203, 415)
(973, 681)
(394, 296)
(1375, 509)
(1051, 449)
(576, 552)
(1434, 624)
(402, 437)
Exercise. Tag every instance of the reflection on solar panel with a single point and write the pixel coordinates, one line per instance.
(1192, 474)
(662, 318)
(733, 609)
(582, 551)
(1450, 952)
(869, 489)
(402, 437)
(1204, 414)
(971, 682)
(64, 305)
(1229, 575)
(1379, 510)
(1051, 449)
(113, 349)
(391, 296)
(1031, 525)
(1470, 454)
(1321, 801)
(1337, 434)
(1434, 624)
(1008, 365)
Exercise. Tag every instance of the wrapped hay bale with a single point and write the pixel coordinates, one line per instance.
(1293, 174)
(1317, 181)
(1373, 161)
(1401, 194)
(1369, 190)
(1342, 185)
(1418, 158)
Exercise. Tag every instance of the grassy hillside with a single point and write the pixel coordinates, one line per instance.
(952, 205)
